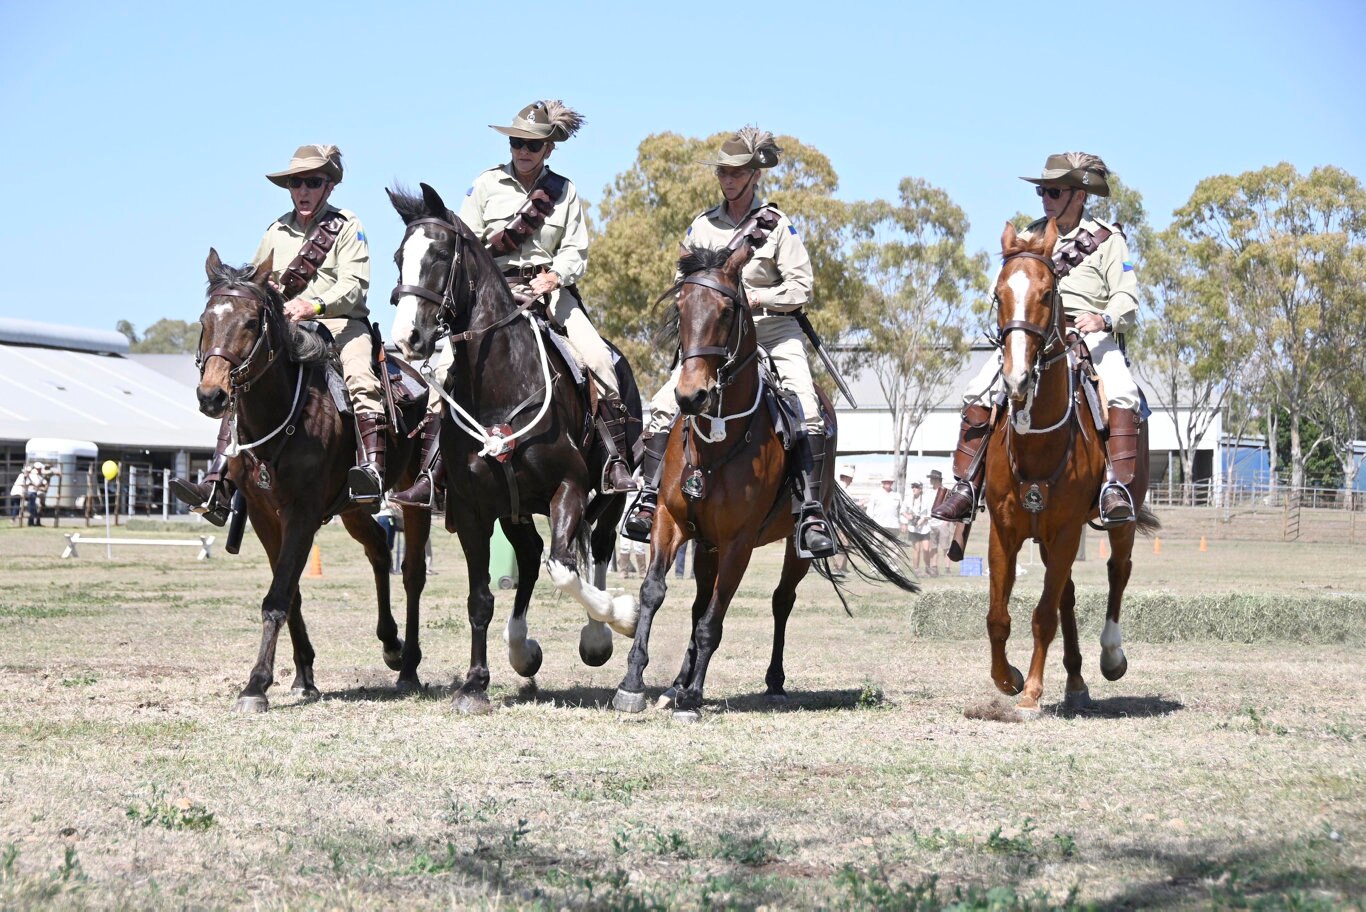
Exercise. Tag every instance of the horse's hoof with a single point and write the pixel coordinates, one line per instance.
(407, 687)
(626, 612)
(1077, 700)
(666, 699)
(1116, 671)
(627, 702)
(394, 657)
(528, 662)
(687, 716)
(1016, 683)
(471, 703)
(595, 644)
(251, 705)
(1028, 713)
(306, 692)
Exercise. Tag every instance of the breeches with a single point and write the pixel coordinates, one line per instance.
(352, 341)
(782, 338)
(1120, 389)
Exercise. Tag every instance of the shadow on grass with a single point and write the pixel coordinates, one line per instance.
(1146, 707)
(815, 700)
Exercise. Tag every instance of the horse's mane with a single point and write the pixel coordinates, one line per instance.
(304, 347)
(1031, 244)
(409, 205)
(701, 259)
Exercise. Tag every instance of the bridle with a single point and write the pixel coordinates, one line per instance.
(445, 301)
(732, 364)
(1050, 339)
(245, 371)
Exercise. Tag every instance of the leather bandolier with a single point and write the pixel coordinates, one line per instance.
(318, 243)
(540, 203)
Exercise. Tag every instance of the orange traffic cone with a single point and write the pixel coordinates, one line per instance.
(315, 562)
(1157, 544)
(1102, 549)
(1204, 546)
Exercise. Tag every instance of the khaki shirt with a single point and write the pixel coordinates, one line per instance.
(1104, 282)
(778, 275)
(343, 279)
(561, 243)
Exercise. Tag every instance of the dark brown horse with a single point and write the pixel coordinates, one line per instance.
(1044, 471)
(296, 450)
(514, 438)
(739, 491)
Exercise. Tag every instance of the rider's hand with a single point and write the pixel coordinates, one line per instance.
(545, 282)
(1090, 323)
(301, 309)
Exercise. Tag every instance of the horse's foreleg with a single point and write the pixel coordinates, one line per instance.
(363, 528)
(1113, 664)
(417, 533)
(524, 654)
(1001, 561)
(288, 566)
(667, 539)
(471, 697)
(1058, 556)
(595, 639)
(704, 573)
(566, 513)
(730, 570)
(303, 685)
(794, 571)
(1076, 695)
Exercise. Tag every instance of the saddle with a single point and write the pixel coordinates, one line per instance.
(405, 390)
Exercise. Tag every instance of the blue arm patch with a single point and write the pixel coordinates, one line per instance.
(792, 229)
(1128, 266)
(360, 236)
(470, 191)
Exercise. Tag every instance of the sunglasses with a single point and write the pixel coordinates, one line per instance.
(312, 183)
(531, 145)
(1051, 192)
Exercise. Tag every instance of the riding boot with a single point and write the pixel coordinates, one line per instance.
(428, 492)
(211, 498)
(366, 478)
(641, 517)
(616, 471)
(813, 530)
(959, 503)
(1121, 448)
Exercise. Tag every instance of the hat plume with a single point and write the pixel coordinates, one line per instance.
(564, 118)
(760, 142)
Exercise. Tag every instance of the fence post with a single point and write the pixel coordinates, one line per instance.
(165, 494)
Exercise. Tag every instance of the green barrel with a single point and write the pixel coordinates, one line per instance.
(502, 560)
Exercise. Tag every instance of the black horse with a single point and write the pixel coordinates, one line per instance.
(515, 438)
(296, 450)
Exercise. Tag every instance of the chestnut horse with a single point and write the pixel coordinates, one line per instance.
(296, 450)
(742, 497)
(1044, 470)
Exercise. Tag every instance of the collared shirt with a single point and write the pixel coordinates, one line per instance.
(1104, 282)
(779, 274)
(561, 243)
(342, 280)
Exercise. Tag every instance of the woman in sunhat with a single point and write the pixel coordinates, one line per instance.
(777, 282)
(547, 260)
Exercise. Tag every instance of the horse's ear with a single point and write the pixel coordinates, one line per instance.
(1050, 237)
(1010, 238)
(264, 269)
(737, 262)
(212, 265)
(435, 205)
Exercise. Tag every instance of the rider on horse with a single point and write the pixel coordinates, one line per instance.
(322, 268)
(1100, 297)
(777, 283)
(532, 221)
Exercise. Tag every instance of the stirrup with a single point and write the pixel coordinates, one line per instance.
(214, 508)
(364, 484)
(813, 519)
(1128, 497)
(637, 527)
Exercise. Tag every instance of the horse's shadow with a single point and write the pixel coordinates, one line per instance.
(1144, 707)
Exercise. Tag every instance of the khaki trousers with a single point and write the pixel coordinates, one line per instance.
(784, 341)
(352, 342)
(1120, 388)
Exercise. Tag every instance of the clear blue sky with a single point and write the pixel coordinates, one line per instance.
(135, 135)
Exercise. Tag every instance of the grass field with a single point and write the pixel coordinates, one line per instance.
(1226, 769)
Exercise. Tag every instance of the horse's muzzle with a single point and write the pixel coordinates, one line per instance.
(213, 401)
(692, 403)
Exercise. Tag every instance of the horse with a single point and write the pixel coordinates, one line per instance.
(515, 438)
(271, 375)
(717, 461)
(1045, 466)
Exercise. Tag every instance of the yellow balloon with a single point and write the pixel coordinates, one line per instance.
(110, 469)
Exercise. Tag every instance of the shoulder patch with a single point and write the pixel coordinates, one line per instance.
(689, 231)
(360, 236)
(1128, 266)
(470, 191)
(791, 229)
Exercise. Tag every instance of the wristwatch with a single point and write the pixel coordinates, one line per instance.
(1109, 323)
(319, 307)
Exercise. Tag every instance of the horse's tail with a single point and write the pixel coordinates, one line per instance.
(866, 543)
(1148, 523)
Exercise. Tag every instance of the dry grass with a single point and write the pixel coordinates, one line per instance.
(1216, 772)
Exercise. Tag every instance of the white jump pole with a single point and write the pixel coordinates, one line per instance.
(165, 494)
(108, 548)
(132, 488)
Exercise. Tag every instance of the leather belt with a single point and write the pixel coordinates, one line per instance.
(761, 311)
(525, 273)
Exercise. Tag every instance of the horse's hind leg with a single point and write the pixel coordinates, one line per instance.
(1113, 664)
(595, 639)
(1059, 553)
(363, 528)
(794, 571)
(303, 685)
(524, 654)
(1075, 696)
(417, 532)
(667, 539)
(471, 697)
(291, 551)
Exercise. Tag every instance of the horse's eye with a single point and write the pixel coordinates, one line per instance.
(253, 325)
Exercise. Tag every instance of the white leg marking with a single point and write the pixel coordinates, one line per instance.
(620, 613)
(1111, 644)
(520, 649)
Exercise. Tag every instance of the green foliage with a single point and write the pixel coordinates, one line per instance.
(871, 697)
(748, 850)
(164, 337)
(181, 814)
(873, 889)
(1019, 844)
(85, 679)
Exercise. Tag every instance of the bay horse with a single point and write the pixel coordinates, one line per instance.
(514, 439)
(1045, 466)
(741, 488)
(295, 452)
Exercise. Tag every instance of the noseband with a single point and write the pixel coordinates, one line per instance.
(445, 301)
(244, 373)
(730, 368)
(1049, 337)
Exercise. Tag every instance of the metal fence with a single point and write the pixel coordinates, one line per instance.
(1267, 512)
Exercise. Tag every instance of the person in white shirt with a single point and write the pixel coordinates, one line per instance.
(884, 508)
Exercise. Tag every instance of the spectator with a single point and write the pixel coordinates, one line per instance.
(16, 492)
(940, 531)
(915, 517)
(884, 508)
